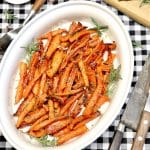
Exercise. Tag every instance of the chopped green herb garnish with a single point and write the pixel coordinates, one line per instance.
(99, 28)
(30, 49)
(136, 44)
(46, 142)
(114, 76)
(9, 17)
(144, 2)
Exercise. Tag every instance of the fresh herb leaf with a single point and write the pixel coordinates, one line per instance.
(99, 28)
(46, 142)
(114, 76)
(144, 2)
(9, 17)
(136, 44)
(30, 49)
(110, 89)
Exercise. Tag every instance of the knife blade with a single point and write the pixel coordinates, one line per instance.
(135, 106)
(143, 127)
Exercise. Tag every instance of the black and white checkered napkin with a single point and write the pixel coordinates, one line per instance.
(137, 33)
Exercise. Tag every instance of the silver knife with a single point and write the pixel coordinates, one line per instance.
(143, 127)
(135, 106)
(9, 36)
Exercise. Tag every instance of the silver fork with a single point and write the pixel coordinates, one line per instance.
(9, 36)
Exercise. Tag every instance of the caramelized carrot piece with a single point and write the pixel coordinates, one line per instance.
(92, 101)
(58, 125)
(53, 46)
(23, 72)
(79, 131)
(26, 110)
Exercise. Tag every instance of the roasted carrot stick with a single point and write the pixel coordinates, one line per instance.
(83, 122)
(25, 111)
(92, 101)
(56, 61)
(58, 125)
(53, 46)
(79, 131)
(51, 109)
(35, 115)
(38, 121)
(64, 77)
(37, 134)
(23, 72)
(84, 74)
(71, 100)
(46, 123)
(62, 132)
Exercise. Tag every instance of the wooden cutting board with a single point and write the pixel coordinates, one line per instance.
(132, 9)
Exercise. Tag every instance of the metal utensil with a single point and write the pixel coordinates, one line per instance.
(143, 127)
(135, 106)
(9, 36)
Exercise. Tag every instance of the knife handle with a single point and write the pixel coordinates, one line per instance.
(38, 4)
(142, 131)
(117, 138)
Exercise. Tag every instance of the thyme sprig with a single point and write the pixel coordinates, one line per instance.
(99, 28)
(47, 142)
(114, 77)
(30, 49)
(9, 16)
(136, 44)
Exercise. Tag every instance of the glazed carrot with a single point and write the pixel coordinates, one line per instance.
(58, 125)
(83, 122)
(56, 61)
(77, 107)
(51, 109)
(57, 109)
(79, 131)
(71, 100)
(79, 34)
(32, 65)
(55, 83)
(38, 121)
(83, 71)
(101, 100)
(42, 84)
(62, 132)
(71, 79)
(25, 111)
(72, 92)
(35, 115)
(45, 123)
(92, 101)
(23, 104)
(64, 77)
(53, 46)
(75, 27)
(36, 87)
(37, 134)
(23, 72)
(58, 31)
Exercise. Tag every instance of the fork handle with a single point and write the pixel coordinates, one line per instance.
(38, 4)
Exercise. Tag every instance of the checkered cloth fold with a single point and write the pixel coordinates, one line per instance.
(137, 33)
